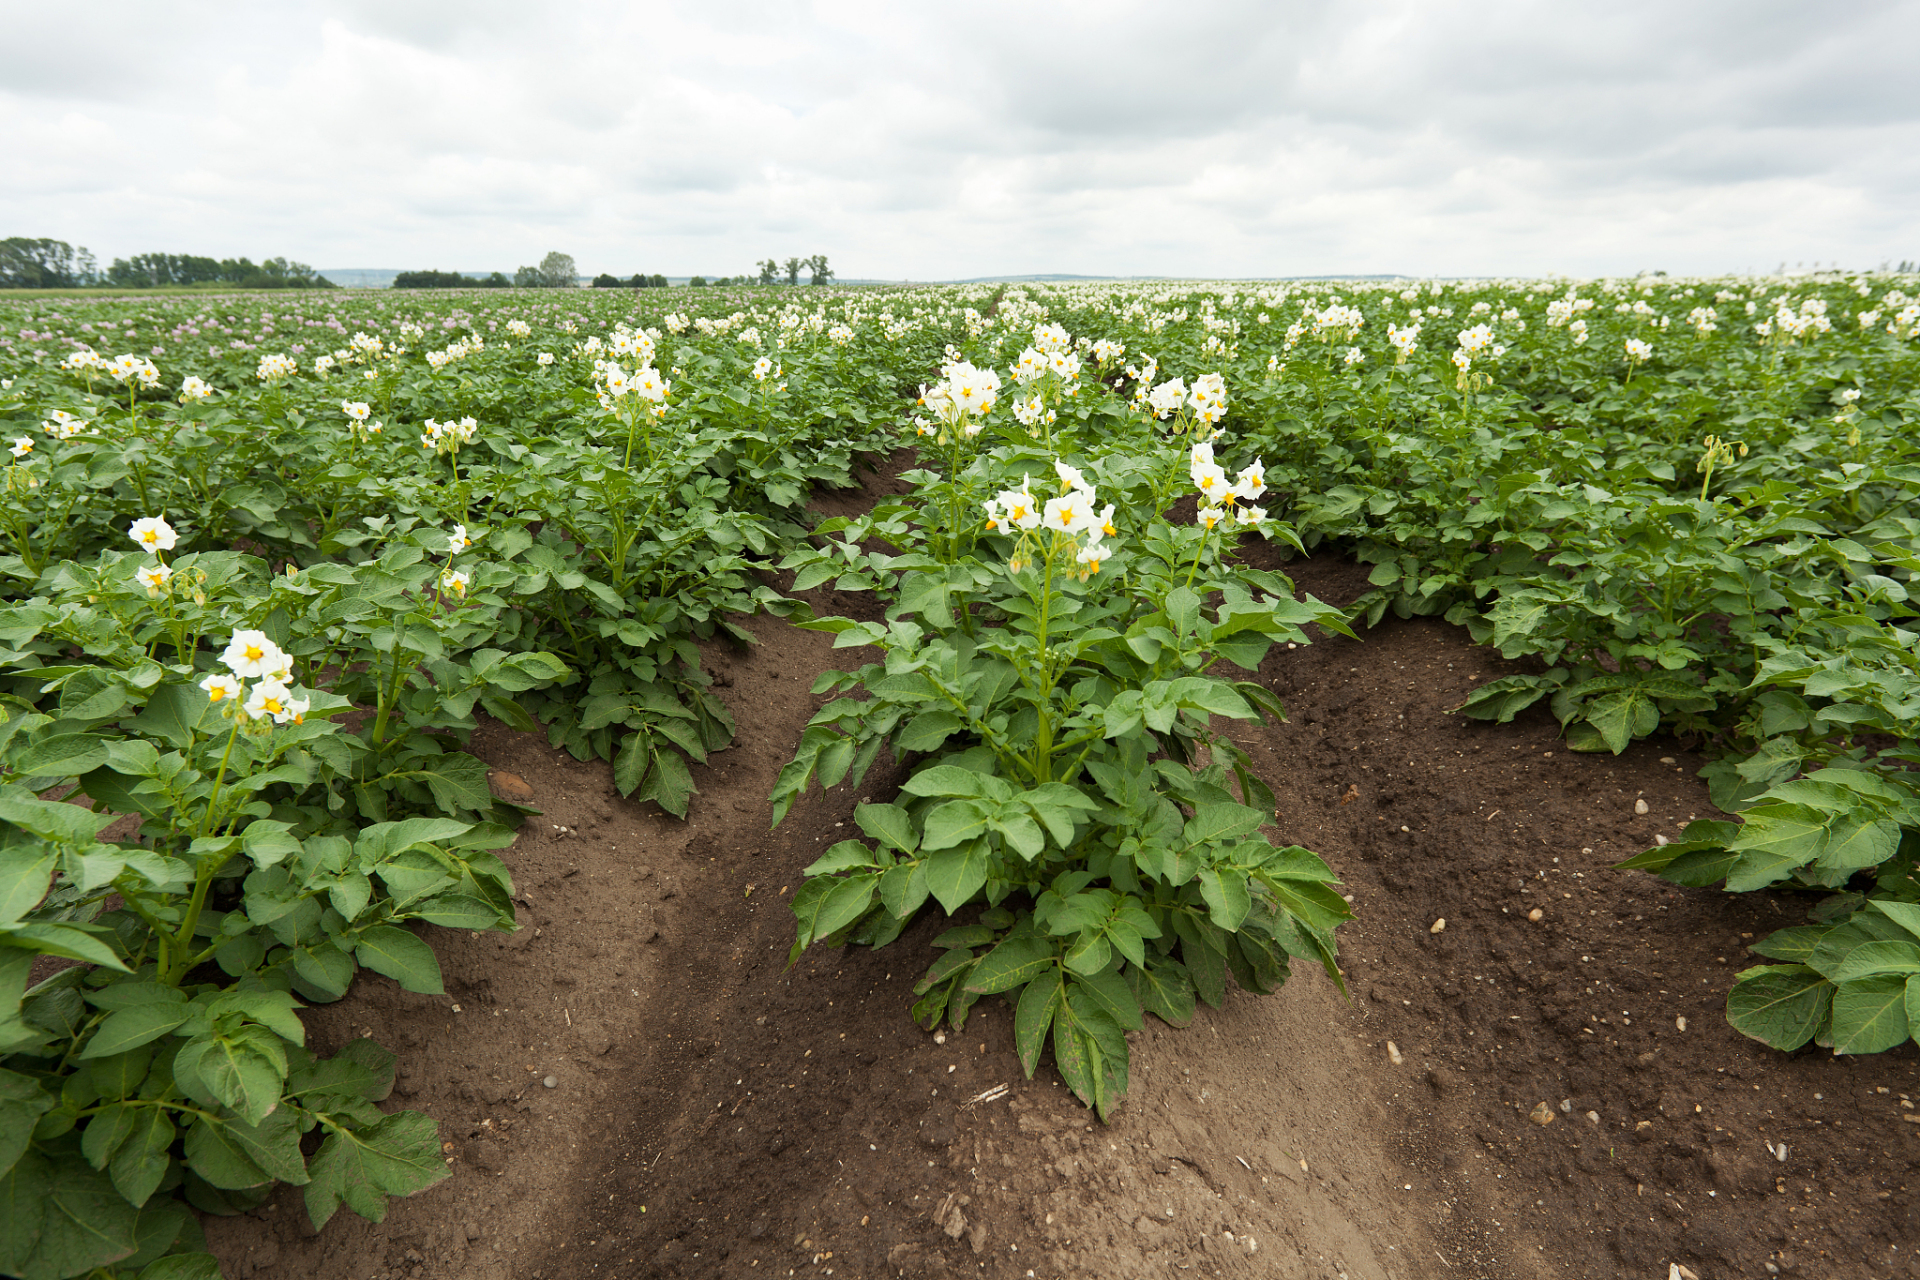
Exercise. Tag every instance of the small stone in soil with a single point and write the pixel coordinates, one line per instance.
(1543, 1115)
(552, 1082)
(1536, 915)
(1393, 1054)
(1438, 926)
(1640, 808)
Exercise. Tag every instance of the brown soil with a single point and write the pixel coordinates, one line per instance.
(714, 1113)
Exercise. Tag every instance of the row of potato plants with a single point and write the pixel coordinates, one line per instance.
(251, 609)
(1055, 651)
(1695, 504)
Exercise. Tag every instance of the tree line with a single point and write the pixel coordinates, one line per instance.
(448, 280)
(819, 272)
(28, 263)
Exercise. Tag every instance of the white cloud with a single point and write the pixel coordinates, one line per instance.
(911, 141)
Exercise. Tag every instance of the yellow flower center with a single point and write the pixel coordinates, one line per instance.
(271, 705)
(255, 653)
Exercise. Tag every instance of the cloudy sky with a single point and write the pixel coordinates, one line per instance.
(935, 141)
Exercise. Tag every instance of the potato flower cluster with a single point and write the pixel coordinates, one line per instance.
(1219, 499)
(1070, 514)
(250, 655)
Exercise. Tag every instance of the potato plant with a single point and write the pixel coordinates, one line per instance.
(1052, 670)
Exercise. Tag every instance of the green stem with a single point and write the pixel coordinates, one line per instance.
(391, 690)
(1043, 736)
(176, 958)
(220, 777)
(1198, 552)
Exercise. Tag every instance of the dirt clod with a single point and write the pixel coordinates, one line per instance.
(510, 787)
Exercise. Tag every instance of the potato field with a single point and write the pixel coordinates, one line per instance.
(825, 781)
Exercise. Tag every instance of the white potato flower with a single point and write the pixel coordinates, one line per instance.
(22, 446)
(1073, 477)
(153, 533)
(1093, 555)
(222, 688)
(1103, 526)
(251, 654)
(1030, 367)
(1251, 482)
(1018, 507)
(1072, 512)
(649, 385)
(1210, 480)
(1167, 398)
(153, 577)
(273, 698)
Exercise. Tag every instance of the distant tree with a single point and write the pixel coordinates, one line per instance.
(27, 263)
(151, 270)
(558, 272)
(443, 280)
(605, 281)
(697, 282)
(822, 273)
(769, 272)
(191, 269)
(527, 278)
(496, 281)
(793, 270)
